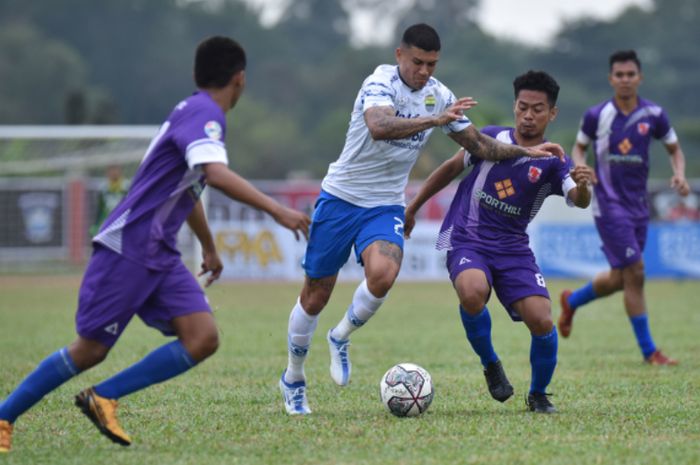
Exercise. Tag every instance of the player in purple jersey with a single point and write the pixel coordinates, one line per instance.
(621, 130)
(135, 268)
(484, 233)
(362, 201)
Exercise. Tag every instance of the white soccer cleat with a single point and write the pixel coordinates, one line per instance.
(294, 395)
(340, 360)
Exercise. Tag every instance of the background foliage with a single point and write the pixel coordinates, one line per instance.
(129, 62)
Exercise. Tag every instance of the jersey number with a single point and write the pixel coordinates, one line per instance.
(540, 280)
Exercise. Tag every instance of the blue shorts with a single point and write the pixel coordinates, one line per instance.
(623, 239)
(338, 225)
(114, 289)
(512, 276)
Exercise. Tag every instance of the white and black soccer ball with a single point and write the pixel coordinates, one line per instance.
(406, 390)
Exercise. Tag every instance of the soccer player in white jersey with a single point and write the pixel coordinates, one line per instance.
(362, 199)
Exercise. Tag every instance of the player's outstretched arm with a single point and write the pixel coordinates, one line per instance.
(488, 148)
(383, 124)
(678, 181)
(437, 181)
(211, 263)
(580, 195)
(578, 153)
(238, 188)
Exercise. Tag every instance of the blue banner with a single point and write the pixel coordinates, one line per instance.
(573, 250)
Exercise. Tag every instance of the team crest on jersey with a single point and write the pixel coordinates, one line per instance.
(625, 146)
(504, 188)
(643, 128)
(429, 102)
(213, 130)
(533, 174)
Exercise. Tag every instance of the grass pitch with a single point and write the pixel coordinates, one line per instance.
(613, 408)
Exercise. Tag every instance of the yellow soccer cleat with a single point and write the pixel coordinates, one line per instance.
(103, 413)
(5, 436)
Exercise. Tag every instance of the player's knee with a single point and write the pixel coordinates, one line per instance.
(314, 302)
(379, 285)
(541, 325)
(633, 275)
(202, 345)
(473, 303)
(86, 354)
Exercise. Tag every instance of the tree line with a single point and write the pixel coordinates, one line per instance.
(130, 61)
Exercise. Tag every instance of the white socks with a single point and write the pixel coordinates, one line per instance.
(301, 329)
(363, 306)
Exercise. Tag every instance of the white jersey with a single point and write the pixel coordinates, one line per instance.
(372, 173)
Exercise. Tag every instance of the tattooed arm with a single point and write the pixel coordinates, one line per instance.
(383, 124)
(488, 148)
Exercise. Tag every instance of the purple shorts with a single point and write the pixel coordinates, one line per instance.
(623, 239)
(513, 276)
(114, 289)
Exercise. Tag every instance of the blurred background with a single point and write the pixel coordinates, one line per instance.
(123, 65)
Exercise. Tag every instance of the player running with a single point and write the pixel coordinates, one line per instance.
(621, 130)
(361, 204)
(136, 269)
(484, 233)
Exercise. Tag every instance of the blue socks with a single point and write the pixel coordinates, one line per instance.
(582, 296)
(640, 324)
(478, 329)
(53, 371)
(543, 359)
(160, 365)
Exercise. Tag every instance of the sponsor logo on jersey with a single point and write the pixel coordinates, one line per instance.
(625, 146)
(213, 130)
(504, 188)
(496, 204)
(629, 252)
(643, 128)
(533, 174)
(112, 329)
(464, 260)
(429, 102)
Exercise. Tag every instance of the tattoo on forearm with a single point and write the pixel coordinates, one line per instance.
(391, 250)
(393, 128)
(488, 148)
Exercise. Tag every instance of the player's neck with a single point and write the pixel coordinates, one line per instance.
(528, 142)
(221, 97)
(626, 104)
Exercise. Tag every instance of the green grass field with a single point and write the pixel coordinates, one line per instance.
(613, 408)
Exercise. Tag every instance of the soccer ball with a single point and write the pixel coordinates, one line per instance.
(406, 390)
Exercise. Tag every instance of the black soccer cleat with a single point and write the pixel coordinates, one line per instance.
(538, 402)
(499, 386)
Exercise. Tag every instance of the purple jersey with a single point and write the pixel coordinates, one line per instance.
(144, 226)
(621, 147)
(495, 202)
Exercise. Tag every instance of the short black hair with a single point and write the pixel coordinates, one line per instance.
(421, 36)
(217, 59)
(625, 55)
(539, 81)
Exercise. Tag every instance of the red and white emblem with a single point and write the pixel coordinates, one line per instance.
(643, 128)
(533, 174)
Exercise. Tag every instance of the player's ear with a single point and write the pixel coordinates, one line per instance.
(553, 113)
